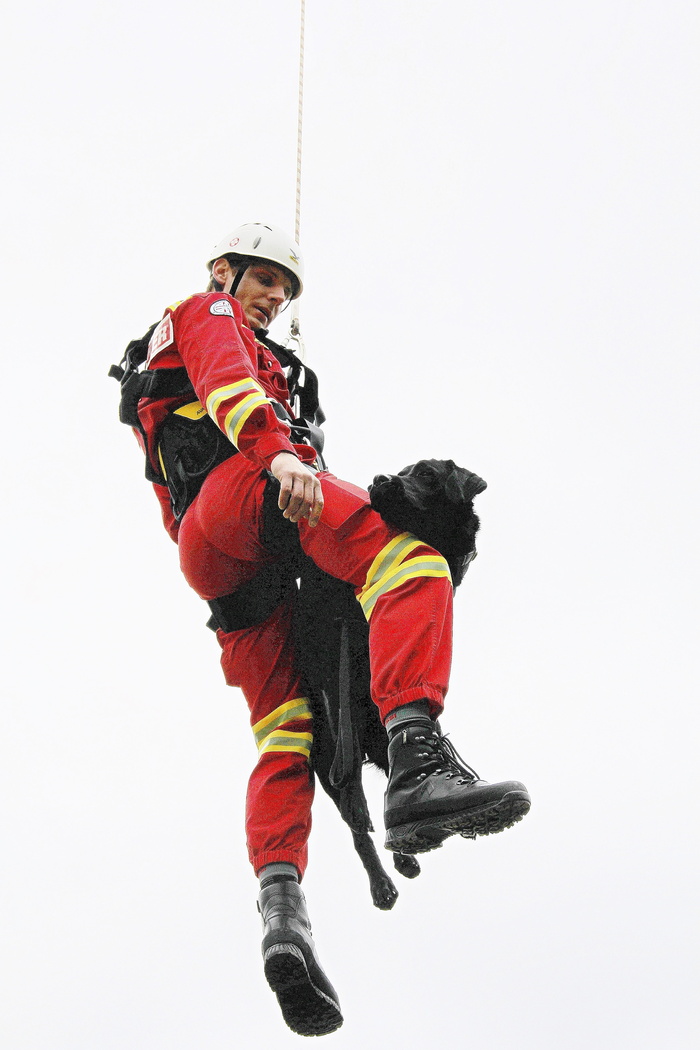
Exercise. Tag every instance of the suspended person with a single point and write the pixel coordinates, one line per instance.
(210, 359)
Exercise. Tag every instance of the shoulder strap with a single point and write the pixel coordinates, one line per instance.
(302, 381)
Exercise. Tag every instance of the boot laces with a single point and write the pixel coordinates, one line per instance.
(447, 759)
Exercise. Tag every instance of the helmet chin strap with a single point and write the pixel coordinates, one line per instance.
(237, 278)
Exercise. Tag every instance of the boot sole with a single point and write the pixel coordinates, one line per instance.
(305, 1008)
(421, 836)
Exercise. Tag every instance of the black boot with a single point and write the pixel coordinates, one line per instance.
(307, 999)
(433, 794)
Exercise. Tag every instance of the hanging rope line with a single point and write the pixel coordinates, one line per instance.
(294, 330)
(300, 119)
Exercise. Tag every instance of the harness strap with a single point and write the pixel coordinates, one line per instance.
(158, 383)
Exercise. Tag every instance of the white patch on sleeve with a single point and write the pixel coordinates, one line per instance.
(163, 336)
(221, 308)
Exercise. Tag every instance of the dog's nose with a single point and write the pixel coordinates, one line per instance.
(381, 479)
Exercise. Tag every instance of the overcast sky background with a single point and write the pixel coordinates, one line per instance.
(500, 226)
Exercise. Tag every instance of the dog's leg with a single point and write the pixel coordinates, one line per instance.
(383, 890)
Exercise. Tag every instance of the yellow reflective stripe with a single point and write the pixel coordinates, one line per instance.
(238, 415)
(162, 464)
(305, 751)
(427, 565)
(289, 712)
(298, 742)
(193, 410)
(232, 390)
(394, 552)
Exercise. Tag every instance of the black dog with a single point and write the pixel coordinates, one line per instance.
(433, 500)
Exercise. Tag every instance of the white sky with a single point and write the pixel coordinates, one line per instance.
(500, 228)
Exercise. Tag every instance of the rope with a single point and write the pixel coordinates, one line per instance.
(300, 117)
(294, 330)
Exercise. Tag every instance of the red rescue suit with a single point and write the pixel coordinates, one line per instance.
(403, 586)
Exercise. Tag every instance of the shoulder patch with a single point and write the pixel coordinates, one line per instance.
(163, 336)
(221, 308)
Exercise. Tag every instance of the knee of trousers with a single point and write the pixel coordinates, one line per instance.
(404, 559)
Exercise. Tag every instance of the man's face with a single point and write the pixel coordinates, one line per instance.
(262, 292)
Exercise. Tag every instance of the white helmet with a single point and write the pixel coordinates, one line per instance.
(255, 240)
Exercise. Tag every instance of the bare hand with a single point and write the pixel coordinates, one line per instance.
(300, 490)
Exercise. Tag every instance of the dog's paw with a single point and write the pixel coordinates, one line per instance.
(406, 865)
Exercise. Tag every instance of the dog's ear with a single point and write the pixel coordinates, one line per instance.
(462, 486)
(454, 489)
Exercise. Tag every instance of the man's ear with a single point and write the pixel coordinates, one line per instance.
(221, 271)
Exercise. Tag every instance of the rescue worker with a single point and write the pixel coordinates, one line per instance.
(216, 516)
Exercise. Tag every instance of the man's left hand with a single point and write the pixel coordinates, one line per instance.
(301, 495)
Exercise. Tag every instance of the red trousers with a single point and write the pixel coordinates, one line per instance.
(404, 589)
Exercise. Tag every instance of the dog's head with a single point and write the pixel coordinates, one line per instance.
(433, 500)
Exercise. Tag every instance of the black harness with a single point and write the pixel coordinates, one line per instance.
(190, 444)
